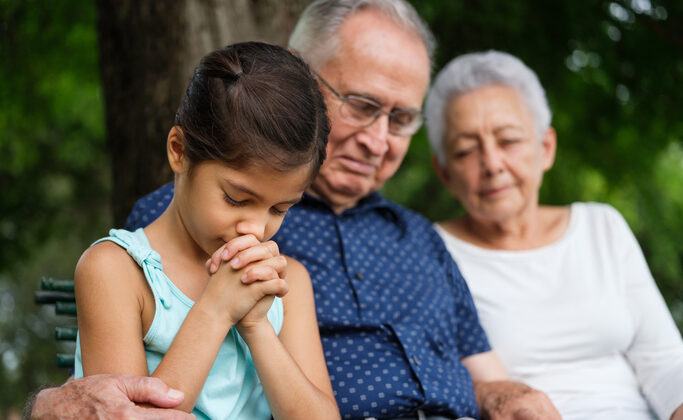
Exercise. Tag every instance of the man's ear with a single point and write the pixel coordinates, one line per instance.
(549, 147)
(175, 149)
(440, 171)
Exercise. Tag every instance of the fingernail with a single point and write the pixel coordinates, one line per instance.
(174, 394)
(244, 277)
(235, 262)
(213, 267)
(224, 254)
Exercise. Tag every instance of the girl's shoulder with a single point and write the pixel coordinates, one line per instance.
(298, 283)
(296, 272)
(105, 256)
(122, 252)
(107, 270)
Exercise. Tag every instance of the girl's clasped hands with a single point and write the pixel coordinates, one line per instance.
(246, 275)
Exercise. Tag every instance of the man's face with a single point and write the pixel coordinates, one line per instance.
(385, 63)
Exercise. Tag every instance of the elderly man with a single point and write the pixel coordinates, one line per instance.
(398, 326)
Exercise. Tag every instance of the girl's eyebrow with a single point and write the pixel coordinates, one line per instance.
(243, 189)
(294, 201)
(256, 195)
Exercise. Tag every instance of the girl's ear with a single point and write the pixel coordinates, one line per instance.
(175, 148)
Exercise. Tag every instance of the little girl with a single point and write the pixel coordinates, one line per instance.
(241, 343)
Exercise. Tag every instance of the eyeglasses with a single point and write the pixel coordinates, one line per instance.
(361, 112)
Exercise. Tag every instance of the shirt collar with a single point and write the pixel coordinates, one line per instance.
(371, 202)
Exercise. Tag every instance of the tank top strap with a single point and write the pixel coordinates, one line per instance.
(138, 247)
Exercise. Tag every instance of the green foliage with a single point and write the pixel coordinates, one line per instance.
(53, 175)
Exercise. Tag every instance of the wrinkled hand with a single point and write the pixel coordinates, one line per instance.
(507, 400)
(245, 276)
(109, 396)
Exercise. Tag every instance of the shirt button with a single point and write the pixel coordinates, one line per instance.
(416, 360)
(359, 275)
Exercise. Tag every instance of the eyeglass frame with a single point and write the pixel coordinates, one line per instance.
(378, 112)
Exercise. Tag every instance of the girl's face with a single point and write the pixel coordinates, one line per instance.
(216, 203)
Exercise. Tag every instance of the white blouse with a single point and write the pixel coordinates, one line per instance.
(580, 319)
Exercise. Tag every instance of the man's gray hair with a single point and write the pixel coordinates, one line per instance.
(471, 71)
(313, 37)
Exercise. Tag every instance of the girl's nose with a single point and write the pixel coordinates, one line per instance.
(252, 226)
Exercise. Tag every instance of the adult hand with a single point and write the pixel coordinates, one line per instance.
(109, 396)
(508, 400)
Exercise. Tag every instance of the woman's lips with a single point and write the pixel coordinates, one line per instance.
(490, 192)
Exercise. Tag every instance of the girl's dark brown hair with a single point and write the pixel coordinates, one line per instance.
(252, 102)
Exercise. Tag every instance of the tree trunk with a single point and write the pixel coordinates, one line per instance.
(148, 50)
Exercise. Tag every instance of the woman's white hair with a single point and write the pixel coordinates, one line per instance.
(313, 37)
(471, 71)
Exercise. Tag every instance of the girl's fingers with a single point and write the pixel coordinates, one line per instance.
(259, 273)
(213, 262)
(260, 252)
(229, 250)
(277, 287)
(238, 244)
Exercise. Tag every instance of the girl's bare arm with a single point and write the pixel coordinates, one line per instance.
(291, 367)
(110, 290)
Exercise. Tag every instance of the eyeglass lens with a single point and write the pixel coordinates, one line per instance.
(362, 112)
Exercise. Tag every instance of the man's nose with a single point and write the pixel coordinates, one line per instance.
(375, 136)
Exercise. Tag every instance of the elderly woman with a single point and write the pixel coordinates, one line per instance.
(564, 293)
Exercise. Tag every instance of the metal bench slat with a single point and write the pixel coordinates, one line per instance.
(65, 360)
(65, 308)
(62, 285)
(66, 333)
(52, 296)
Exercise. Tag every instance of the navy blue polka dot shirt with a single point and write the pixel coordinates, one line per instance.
(394, 312)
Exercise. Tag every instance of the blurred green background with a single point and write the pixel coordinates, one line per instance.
(610, 69)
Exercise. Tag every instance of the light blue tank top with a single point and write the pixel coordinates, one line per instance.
(232, 389)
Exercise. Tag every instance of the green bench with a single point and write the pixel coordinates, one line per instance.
(60, 292)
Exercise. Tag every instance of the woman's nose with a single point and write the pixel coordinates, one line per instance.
(491, 159)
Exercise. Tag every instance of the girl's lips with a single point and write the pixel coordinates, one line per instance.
(357, 166)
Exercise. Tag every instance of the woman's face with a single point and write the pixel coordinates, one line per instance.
(494, 159)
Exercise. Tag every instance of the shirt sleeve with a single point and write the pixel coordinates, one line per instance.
(656, 352)
(149, 208)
